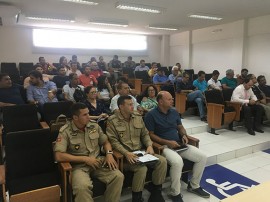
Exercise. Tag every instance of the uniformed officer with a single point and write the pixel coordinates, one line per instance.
(127, 133)
(79, 142)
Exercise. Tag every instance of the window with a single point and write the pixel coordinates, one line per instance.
(87, 40)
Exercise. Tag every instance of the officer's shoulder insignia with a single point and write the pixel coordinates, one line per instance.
(63, 128)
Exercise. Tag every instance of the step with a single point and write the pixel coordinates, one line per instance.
(231, 144)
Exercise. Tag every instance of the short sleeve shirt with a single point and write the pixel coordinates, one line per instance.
(76, 142)
(163, 125)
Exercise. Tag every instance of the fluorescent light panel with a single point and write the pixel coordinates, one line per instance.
(207, 17)
(91, 3)
(138, 7)
(109, 22)
(49, 19)
(163, 28)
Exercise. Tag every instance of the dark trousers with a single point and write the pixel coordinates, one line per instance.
(253, 116)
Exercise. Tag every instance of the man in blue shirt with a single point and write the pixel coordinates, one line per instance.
(184, 86)
(200, 83)
(160, 77)
(165, 127)
(39, 91)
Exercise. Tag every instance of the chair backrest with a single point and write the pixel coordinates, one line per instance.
(227, 94)
(129, 72)
(142, 75)
(207, 77)
(20, 117)
(214, 96)
(25, 68)
(28, 153)
(51, 110)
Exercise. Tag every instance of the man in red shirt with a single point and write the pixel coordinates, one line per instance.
(95, 71)
(87, 79)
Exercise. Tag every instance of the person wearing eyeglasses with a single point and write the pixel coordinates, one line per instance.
(97, 109)
(149, 100)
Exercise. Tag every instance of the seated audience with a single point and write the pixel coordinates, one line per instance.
(74, 69)
(200, 82)
(102, 65)
(174, 76)
(79, 142)
(160, 77)
(96, 108)
(142, 66)
(39, 91)
(252, 111)
(46, 77)
(132, 91)
(129, 63)
(127, 133)
(165, 127)
(263, 86)
(214, 83)
(184, 86)
(92, 59)
(64, 63)
(61, 79)
(260, 96)
(105, 91)
(180, 71)
(149, 100)
(69, 89)
(115, 64)
(47, 67)
(123, 89)
(153, 69)
(95, 71)
(87, 79)
(240, 78)
(10, 93)
(74, 58)
(228, 81)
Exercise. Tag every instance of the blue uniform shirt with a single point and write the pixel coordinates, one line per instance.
(163, 125)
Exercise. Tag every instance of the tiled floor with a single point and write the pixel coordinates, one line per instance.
(237, 151)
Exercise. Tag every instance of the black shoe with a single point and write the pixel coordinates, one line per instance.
(137, 197)
(204, 119)
(177, 198)
(156, 195)
(258, 130)
(199, 191)
(251, 132)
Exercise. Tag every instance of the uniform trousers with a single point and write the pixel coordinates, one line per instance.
(82, 184)
(175, 160)
(140, 170)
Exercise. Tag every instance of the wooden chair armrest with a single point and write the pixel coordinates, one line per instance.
(119, 159)
(65, 166)
(2, 174)
(157, 148)
(180, 102)
(44, 125)
(193, 141)
(237, 107)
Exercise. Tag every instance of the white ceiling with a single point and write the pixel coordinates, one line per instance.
(175, 13)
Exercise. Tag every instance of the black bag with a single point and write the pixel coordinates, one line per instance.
(79, 95)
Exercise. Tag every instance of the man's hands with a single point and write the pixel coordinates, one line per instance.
(131, 157)
(110, 162)
(150, 150)
(172, 144)
(93, 162)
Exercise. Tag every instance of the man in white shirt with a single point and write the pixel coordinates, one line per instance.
(142, 67)
(251, 109)
(69, 89)
(123, 89)
(214, 83)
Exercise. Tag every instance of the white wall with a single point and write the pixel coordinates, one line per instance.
(16, 46)
(258, 50)
(240, 44)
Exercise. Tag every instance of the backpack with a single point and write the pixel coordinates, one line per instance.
(79, 95)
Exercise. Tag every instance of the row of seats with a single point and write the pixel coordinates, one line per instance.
(29, 158)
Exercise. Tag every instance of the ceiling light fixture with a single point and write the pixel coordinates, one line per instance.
(207, 17)
(139, 7)
(163, 28)
(50, 18)
(117, 23)
(86, 2)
